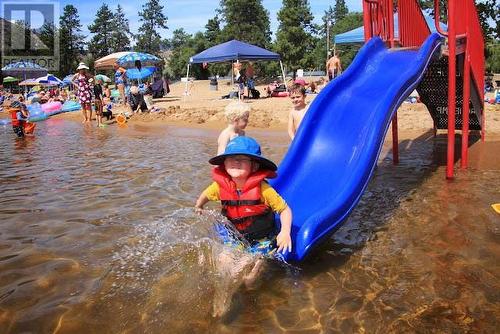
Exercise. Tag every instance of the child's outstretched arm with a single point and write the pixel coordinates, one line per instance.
(200, 202)
(284, 239)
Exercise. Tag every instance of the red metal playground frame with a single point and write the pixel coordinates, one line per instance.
(464, 36)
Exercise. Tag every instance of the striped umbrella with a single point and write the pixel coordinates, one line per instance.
(146, 59)
(49, 80)
(24, 69)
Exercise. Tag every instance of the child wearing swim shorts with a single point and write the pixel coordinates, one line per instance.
(247, 200)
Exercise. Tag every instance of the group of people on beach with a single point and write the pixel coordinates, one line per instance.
(91, 90)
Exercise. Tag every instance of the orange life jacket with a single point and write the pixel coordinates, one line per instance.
(13, 115)
(245, 208)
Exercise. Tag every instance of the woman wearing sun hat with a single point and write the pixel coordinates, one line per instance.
(83, 82)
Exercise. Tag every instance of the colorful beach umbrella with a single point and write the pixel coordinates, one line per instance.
(146, 59)
(102, 77)
(144, 72)
(28, 82)
(49, 80)
(9, 80)
(106, 63)
(24, 69)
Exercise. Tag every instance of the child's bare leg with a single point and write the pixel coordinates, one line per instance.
(250, 278)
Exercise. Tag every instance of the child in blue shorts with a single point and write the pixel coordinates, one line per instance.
(247, 200)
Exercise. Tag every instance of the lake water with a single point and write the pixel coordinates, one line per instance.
(98, 235)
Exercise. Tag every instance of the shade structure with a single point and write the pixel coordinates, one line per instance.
(106, 63)
(24, 69)
(102, 77)
(28, 82)
(358, 35)
(68, 80)
(146, 59)
(144, 72)
(49, 80)
(233, 50)
(9, 80)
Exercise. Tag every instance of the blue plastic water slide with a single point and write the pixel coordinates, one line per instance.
(330, 161)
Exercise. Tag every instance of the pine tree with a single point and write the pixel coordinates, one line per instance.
(212, 32)
(340, 10)
(294, 39)
(121, 31)
(152, 18)
(245, 20)
(71, 41)
(101, 43)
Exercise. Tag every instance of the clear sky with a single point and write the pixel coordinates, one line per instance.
(192, 15)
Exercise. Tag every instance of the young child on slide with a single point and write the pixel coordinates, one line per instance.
(298, 97)
(237, 114)
(247, 200)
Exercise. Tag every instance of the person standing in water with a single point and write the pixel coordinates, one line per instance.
(237, 114)
(83, 85)
(248, 201)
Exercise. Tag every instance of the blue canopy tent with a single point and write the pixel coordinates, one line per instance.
(233, 51)
(358, 35)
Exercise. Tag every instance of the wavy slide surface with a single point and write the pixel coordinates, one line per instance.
(331, 160)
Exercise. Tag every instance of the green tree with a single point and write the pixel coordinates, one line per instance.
(185, 46)
(340, 10)
(48, 35)
(213, 31)
(152, 18)
(294, 39)
(347, 52)
(245, 20)
(121, 31)
(102, 29)
(71, 41)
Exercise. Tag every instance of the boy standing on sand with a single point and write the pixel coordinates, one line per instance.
(237, 114)
(298, 97)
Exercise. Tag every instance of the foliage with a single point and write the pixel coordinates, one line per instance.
(340, 10)
(152, 18)
(101, 43)
(121, 31)
(246, 21)
(183, 47)
(294, 39)
(493, 57)
(213, 31)
(71, 41)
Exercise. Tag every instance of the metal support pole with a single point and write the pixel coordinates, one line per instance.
(283, 72)
(466, 96)
(187, 81)
(395, 144)
(451, 89)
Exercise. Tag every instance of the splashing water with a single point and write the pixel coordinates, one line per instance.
(178, 267)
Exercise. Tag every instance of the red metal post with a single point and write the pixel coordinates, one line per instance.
(466, 95)
(367, 20)
(451, 89)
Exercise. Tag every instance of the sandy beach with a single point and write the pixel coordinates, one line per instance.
(204, 108)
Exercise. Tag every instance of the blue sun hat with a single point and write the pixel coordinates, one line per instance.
(243, 145)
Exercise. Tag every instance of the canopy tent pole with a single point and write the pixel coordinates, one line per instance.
(187, 81)
(283, 72)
